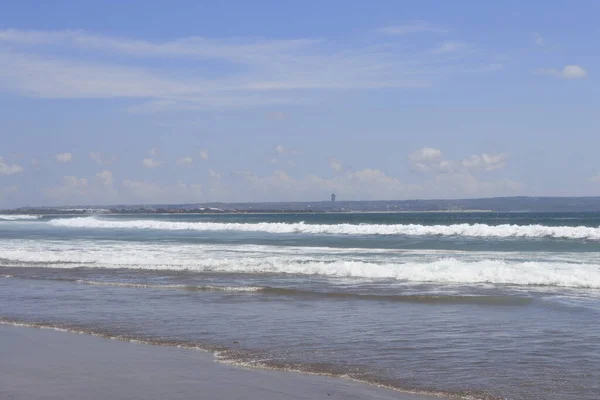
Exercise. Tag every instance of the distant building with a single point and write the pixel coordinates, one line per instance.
(332, 196)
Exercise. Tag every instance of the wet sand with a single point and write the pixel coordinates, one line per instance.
(44, 364)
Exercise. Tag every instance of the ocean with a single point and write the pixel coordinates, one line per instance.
(460, 305)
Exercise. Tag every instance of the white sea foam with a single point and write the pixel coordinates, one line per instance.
(18, 217)
(147, 254)
(237, 289)
(576, 270)
(471, 230)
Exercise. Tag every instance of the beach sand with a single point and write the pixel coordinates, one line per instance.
(46, 364)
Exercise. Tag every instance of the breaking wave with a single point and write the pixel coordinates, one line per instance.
(470, 230)
(18, 217)
(440, 271)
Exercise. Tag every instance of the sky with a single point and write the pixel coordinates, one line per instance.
(233, 101)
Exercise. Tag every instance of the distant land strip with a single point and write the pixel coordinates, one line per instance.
(496, 204)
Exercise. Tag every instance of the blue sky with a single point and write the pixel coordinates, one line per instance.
(187, 101)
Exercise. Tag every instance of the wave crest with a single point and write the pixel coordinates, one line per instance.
(451, 271)
(470, 230)
(18, 217)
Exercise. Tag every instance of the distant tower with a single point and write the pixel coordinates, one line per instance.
(332, 196)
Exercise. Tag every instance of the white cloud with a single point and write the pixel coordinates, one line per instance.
(574, 72)
(76, 182)
(568, 72)
(64, 157)
(364, 184)
(413, 27)
(335, 165)
(428, 159)
(189, 47)
(449, 47)
(280, 149)
(425, 154)
(493, 161)
(270, 72)
(204, 154)
(151, 163)
(71, 191)
(473, 161)
(154, 152)
(9, 169)
(38, 76)
(106, 177)
(485, 161)
(102, 189)
(185, 161)
(537, 39)
(101, 159)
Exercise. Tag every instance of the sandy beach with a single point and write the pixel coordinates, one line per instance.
(47, 364)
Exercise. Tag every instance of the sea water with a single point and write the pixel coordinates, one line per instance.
(471, 305)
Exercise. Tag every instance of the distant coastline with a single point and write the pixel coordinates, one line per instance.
(495, 204)
(239, 212)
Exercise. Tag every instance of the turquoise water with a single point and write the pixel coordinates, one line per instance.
(488, 305)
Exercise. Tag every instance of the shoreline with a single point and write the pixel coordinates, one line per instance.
(44, 362)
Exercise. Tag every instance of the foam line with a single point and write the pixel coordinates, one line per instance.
(18, 217)
(470, 230)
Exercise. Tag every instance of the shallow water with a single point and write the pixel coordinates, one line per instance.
(484, 305)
